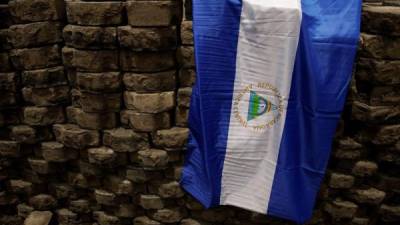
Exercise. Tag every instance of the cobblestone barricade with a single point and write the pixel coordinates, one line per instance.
(93, 118)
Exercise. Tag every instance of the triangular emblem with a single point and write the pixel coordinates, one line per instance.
(258, 105)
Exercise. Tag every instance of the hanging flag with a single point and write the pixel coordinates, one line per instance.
(272, 79)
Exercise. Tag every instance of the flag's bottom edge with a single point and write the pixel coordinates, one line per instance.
(241, 206)
(191, 186)
(206, 202)
(195, 192)
(200, 196)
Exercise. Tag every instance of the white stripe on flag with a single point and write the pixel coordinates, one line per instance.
(268, 38)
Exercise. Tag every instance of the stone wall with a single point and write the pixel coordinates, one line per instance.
(93, 116)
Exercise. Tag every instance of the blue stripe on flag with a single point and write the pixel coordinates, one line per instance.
(216, 29)
(325, 56)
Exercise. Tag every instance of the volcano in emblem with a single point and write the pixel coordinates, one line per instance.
(258, 105)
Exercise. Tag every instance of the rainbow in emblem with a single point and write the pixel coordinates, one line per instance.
(258, 106)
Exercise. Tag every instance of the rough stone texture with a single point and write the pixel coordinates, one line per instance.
(174, 138)
(43, 202)
(153, 158)
(35, 34)
(104, 197)
(146, 122)
(23, 134)
(70, 143)
(168, 215)
(380, 47)
(382, 20)
(87, 37)
(347, 148)
(90, 61)
(375, 114)
(341, 181)
(119, 185)
(43, 78)
(94, 13)
(46, 96)
(181, 116)
(163, 13)
(151, 202)
(105, 219)
(80, 206)
(390, 213)
(40, 166)
(189, 222)
(93, 121)
(371, 196)
(364, 168)
(126, 211)
(43, 116)
(35, 58)
(378, 71)
(391, 3)
(147, 38)
(171, 190)
(54, 152)
(101, 156)
(24, 210)
(149, 103)
(187, 33)
(66, 216)
(100, 102)
(23, 11)
(125, 140)
(38, 218)
(185, 55)
(341, 209)
(20, 186)
(9, 149)
(73, 136)
(146, 61)
(387, 135)
(99, 82)
(184, 95)
(187, 77)
(144, 220)
(150, 82)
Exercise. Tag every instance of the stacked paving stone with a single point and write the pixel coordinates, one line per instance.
(9, 100)
(35, 91)
(8, 77)
(186, 72)
(93, 118)
(150, 79)
(364, 183)
(92, 61)
(91, 55)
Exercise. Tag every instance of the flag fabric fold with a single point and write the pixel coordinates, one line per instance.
(272, 79)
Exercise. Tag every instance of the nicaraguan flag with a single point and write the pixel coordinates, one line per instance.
(272, 78)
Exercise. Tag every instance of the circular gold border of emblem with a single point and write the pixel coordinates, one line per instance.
(248, 88)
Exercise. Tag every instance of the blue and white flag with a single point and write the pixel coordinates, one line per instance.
(272, 78)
